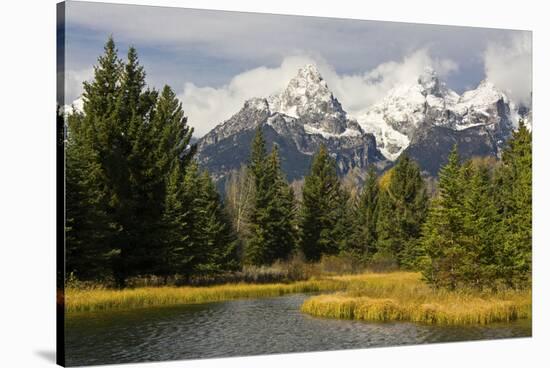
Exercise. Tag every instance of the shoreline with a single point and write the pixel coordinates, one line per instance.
(394, 296)
(93, 300)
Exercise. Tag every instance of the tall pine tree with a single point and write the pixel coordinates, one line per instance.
(443, 233)
(281, 211)
(321, 209)
(90, 221)
(514, 183)
(220, 241)
(270, 224)
(481, 226)
(402, 210)
(364, 235)
(255, 248)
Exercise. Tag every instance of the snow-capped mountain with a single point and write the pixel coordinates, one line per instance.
(301, 118)
(425, 119)
(308, 98)
(408, 110)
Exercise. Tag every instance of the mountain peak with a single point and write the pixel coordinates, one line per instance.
(428, 76)
(429, 80)
(308, 98)
(310, 73)
(306, 94)
(486, 84)
(308, 82)
(485, 94)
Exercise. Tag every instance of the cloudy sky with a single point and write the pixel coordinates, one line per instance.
(216, 60)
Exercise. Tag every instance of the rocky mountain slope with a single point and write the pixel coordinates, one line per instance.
(410, 114)
(304, 116)
(424, 119)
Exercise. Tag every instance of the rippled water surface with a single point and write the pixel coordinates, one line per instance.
(244, 327)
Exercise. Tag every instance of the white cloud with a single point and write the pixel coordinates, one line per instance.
(509, 67)
(73, 83)
(358, 92)
(207, 106)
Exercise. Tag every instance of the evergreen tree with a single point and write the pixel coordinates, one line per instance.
(90, 221)
(255, 249)
(402, 210)
(443, 231)
(344, 227)
(171, 133)
(174, 250)
(132, 83)
(220, 247)
(194, 221)
(258, 159)
(135, 190)
(280, 211)
(514, 183)
(85, 226)
(321, 208)
(481, 227)
(271, 231)
(100, 96)
(171, 153)
(365, 236)
(462, 229)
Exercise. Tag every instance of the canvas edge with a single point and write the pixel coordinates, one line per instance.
(60, 186)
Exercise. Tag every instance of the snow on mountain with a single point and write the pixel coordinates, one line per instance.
(306, 101)
(308, 97)
(299, 119)
(484, 105)
(253, 112)
(428, 102)
(395, 119)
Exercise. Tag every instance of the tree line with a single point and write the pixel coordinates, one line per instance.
(383, 220)
(137, 203)
(474, 232)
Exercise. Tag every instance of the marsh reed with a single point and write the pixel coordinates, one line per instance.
(404, 296)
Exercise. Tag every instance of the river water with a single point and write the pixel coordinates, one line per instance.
(244, 327)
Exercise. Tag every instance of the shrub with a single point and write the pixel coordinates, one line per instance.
(341, 264)
(382, 262)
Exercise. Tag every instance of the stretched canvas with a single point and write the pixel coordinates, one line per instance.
(234, 184)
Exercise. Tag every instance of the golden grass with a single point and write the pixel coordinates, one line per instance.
(77, 300)
(396, 296)
(403, 296)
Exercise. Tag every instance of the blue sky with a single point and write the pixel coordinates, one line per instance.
(214, 60)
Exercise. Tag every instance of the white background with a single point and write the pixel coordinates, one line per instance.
(27, 181)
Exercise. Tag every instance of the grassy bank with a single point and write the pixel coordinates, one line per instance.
(77, 300)
(395, 296)
(404, 297)
(292, 276)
